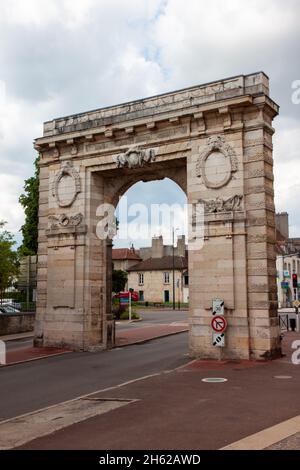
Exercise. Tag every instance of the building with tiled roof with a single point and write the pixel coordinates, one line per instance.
(152, 277)
(124, 258)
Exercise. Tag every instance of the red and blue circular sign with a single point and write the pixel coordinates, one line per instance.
(219, 324)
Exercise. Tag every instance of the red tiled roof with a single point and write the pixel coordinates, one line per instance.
(124, 253)
(157, 264)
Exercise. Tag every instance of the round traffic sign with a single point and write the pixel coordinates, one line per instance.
(219, 324)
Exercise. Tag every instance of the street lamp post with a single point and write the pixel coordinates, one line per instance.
(173, 263)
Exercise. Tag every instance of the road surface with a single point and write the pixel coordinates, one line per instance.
(152, 317)
(30, 386)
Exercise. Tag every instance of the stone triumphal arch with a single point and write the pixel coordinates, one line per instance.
(215, 141)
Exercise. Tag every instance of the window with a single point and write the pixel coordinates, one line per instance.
(141, 295)
(166, 296)
(186, 280)
(141, 279)
(166, 278)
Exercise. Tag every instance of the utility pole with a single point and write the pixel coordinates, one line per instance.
(173, 263)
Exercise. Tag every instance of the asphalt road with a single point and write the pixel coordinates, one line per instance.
(34, 385)
(152, 317)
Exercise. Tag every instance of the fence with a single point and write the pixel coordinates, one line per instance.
(22, 299)
(284, 322)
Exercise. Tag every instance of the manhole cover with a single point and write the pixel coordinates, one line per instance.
(214, 379)
(283, 377)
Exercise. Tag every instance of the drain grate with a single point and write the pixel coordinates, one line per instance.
(214, 379)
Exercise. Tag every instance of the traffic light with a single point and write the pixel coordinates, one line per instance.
(295, 280)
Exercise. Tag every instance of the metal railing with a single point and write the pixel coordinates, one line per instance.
(284, 322)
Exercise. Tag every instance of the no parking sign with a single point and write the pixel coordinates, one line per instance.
(219, 322)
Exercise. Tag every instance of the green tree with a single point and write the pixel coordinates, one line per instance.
(30, 201)
(8, 259)
(119, 279)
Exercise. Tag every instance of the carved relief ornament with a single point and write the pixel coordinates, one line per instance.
(67, 170)
(135, 157)
(64, 220)
(217, 144)
(221, 204)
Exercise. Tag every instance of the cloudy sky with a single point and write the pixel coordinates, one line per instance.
(59, 57)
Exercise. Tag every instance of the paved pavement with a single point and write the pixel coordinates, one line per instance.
(177, 410)
(290, 443)
(140, 335)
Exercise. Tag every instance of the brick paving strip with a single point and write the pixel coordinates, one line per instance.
(141, 335)
(32, 354)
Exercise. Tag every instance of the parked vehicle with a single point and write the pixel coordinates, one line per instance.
(8, 309)
(10, 303)
(125, 295)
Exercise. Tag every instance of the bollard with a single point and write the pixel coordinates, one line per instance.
(293, 324)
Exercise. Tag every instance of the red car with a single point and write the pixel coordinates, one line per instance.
(125, 295)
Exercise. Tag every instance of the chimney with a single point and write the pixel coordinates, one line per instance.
(157, 249)
(180, 250)
(282, 224)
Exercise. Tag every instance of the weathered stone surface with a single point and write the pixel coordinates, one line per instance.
(215, 141)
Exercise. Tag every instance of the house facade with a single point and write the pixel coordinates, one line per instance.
(287, 263)
(124, 258)
(150, 270)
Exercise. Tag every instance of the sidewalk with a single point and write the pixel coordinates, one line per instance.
(141, 335)
(177, 410)
(31, 354)
(17, 336)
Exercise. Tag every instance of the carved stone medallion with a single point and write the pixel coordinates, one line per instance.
(66, 185)
(216, 163)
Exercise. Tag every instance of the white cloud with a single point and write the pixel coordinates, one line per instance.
(65, 56)
(10, 210)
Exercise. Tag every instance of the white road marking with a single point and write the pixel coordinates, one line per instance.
(267, 437)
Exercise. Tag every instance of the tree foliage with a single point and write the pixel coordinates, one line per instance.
(8, 259)
(30, 201)
(119, 279)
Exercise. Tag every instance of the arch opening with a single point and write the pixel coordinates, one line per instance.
(149, 253)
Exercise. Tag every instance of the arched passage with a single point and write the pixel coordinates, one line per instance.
(215, 141)
(148, 214)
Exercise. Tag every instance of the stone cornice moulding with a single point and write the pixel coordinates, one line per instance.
(191, 111)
